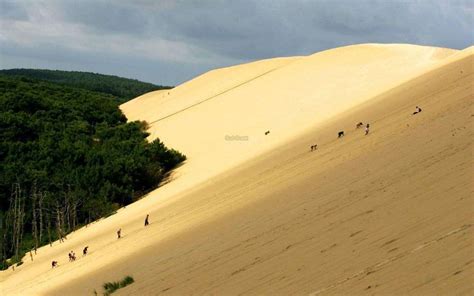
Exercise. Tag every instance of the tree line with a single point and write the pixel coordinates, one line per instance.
(123, 89)
(67, 157)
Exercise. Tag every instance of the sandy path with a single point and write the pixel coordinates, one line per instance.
(392, 211)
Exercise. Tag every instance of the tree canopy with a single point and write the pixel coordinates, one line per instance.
(123, 89)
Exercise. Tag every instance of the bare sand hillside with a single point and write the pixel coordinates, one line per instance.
(285, 96)
(387, 213)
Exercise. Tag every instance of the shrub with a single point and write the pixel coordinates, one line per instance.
(126, 281)
(111, 287)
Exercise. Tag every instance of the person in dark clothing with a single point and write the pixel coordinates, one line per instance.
(119, 233)
(84, 252)
(146, 220)
(418, 110)
(54, 264)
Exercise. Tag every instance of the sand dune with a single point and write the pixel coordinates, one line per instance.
(387, 213)
(284, 96)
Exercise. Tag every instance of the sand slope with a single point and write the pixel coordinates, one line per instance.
(386, 213)
(285, 96)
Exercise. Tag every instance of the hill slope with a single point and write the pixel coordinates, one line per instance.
(122, 88)
(390, 212)
(283, 96)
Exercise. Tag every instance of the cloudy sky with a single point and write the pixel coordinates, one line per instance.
(168, 42)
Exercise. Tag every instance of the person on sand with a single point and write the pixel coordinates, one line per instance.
(54, 264)
(367, 129)
(418, 110)
(84, 252)
(119, 233)
(146, 220)
(72, 256)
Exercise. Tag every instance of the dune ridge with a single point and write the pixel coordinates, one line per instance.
(279, 223)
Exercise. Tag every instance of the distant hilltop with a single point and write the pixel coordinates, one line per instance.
(123, 89)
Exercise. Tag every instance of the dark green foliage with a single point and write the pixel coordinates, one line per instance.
(67, 157)
(123, 89)
(126, 281)
(111, 287)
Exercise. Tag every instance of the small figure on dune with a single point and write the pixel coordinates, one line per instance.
(72, 256)
(367, 129)
(267, 132)
(119, 233)
(146, 220)
(418, 110)
(340, 134)
(359, 125)
(314, 147)
(54, 264)
(84, 252)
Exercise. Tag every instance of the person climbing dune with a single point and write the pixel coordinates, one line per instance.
(418, 110)
(146, 220)
(367, 129)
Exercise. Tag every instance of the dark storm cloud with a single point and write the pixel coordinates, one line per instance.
(258, 29)
(195, 36)
(106, 16)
